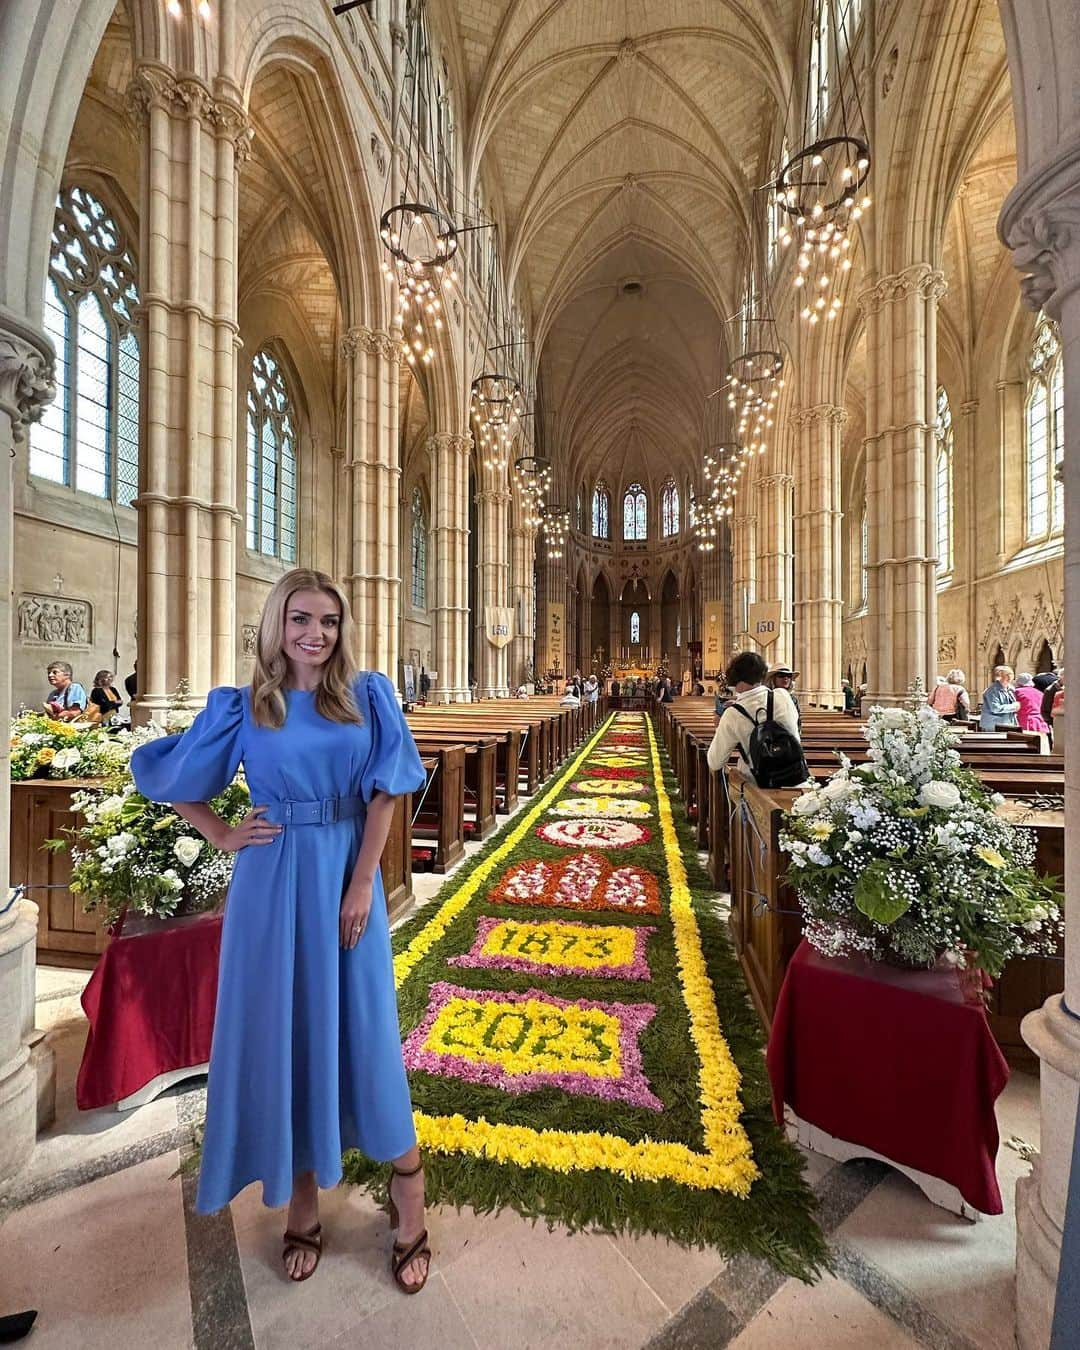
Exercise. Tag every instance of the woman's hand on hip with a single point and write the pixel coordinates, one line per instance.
(355, 908)
(251, 830)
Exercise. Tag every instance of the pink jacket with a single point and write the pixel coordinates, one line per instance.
(1030, 716)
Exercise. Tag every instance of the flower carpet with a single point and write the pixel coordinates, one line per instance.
(576, 1031)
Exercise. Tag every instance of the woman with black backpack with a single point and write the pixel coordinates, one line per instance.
(762, 725)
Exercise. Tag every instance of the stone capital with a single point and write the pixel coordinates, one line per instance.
(829, 413)
(369, 342)
(1045, 244)
(450, 442)
(920, 279)
(155, 86)
(27, 369)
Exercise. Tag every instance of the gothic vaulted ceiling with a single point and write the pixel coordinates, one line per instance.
(622, 140)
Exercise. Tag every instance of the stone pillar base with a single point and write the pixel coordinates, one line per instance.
(1040, 1199)
(43, 1064)
(18, 1075)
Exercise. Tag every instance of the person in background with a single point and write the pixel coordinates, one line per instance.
(68, 699)
(614, 688)
(131, 684)
(699, 689)
(949, 699)
(571, 698)
(783, 677)
(592, 689)
(745, 678)
(1030, 716)
(999, 708)
(849, 696)
(425, 685)
(1048, 683)
(104, 697)
(521, 692)
(665, 693)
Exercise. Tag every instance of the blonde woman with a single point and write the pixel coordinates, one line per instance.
(950, 699)
(999, 707)
(306, 1058)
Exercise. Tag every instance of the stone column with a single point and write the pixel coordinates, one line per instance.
(26, 385)
(819, 602)
(522, 649)
(1040, 222)
(450, 545)
(775, 496)
(191, 146)
(901, 405)
(494, 589)
(743, 579)
(553, 591)
(374, 577)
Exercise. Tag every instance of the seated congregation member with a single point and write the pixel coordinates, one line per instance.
(306, 1058)
(68, 699)
(571, 698)
(1029, 716)
(949, 699)
(751, 707)
(104, 697)
(999, 707)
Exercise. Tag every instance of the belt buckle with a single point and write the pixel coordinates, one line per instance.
(328, 811)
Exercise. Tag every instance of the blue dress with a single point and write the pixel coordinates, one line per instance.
(306, 1057)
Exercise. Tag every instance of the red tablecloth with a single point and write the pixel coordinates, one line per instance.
(896, 1061)
(150, 1004)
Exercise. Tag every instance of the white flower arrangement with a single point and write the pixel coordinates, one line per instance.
(131, 853)
(904, 859)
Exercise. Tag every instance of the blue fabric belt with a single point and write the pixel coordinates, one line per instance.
(325, 812)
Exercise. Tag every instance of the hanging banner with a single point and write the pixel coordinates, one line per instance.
(556, 637)
(713, 654)
(765, 622)
(498, 624)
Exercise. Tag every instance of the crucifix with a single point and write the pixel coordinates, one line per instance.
(58, 582)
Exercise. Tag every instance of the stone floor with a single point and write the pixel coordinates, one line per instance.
(99, 1234)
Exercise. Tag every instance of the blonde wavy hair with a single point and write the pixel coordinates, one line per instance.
(334, 696)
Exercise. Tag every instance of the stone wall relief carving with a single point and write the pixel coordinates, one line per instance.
(249, 634)
(946, 648)
(54, 621)
(888, 74)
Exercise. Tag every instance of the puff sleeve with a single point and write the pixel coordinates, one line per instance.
(198, 763)
(393, 765)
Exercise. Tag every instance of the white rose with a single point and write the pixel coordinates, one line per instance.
(836, 789)
(806, 805)
(187, 849)
(936, 793)
(120, 843)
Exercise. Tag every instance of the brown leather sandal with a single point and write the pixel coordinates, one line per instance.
(311, 1241)
(405, 1252)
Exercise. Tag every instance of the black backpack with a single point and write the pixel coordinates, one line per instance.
(776, 756)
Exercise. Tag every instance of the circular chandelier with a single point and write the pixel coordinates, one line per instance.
(754, 386)
(556, 522)
(498, 405)
(532, 474)
(422, 243)
(820, 191)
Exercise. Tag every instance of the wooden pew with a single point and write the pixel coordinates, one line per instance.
(766, 925)
(438, 818)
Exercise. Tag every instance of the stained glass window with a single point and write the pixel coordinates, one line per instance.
(601, 512)
(864, 557)
(669, 509)
(943, 494)
(418, 553)
(635, 627)
(635, 513)
(88, 437)
(1044, 434)
(271, 462)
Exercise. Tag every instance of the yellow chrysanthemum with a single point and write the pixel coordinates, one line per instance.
(46, 755)
(990, 856)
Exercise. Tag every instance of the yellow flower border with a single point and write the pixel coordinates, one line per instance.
(727, 1163)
